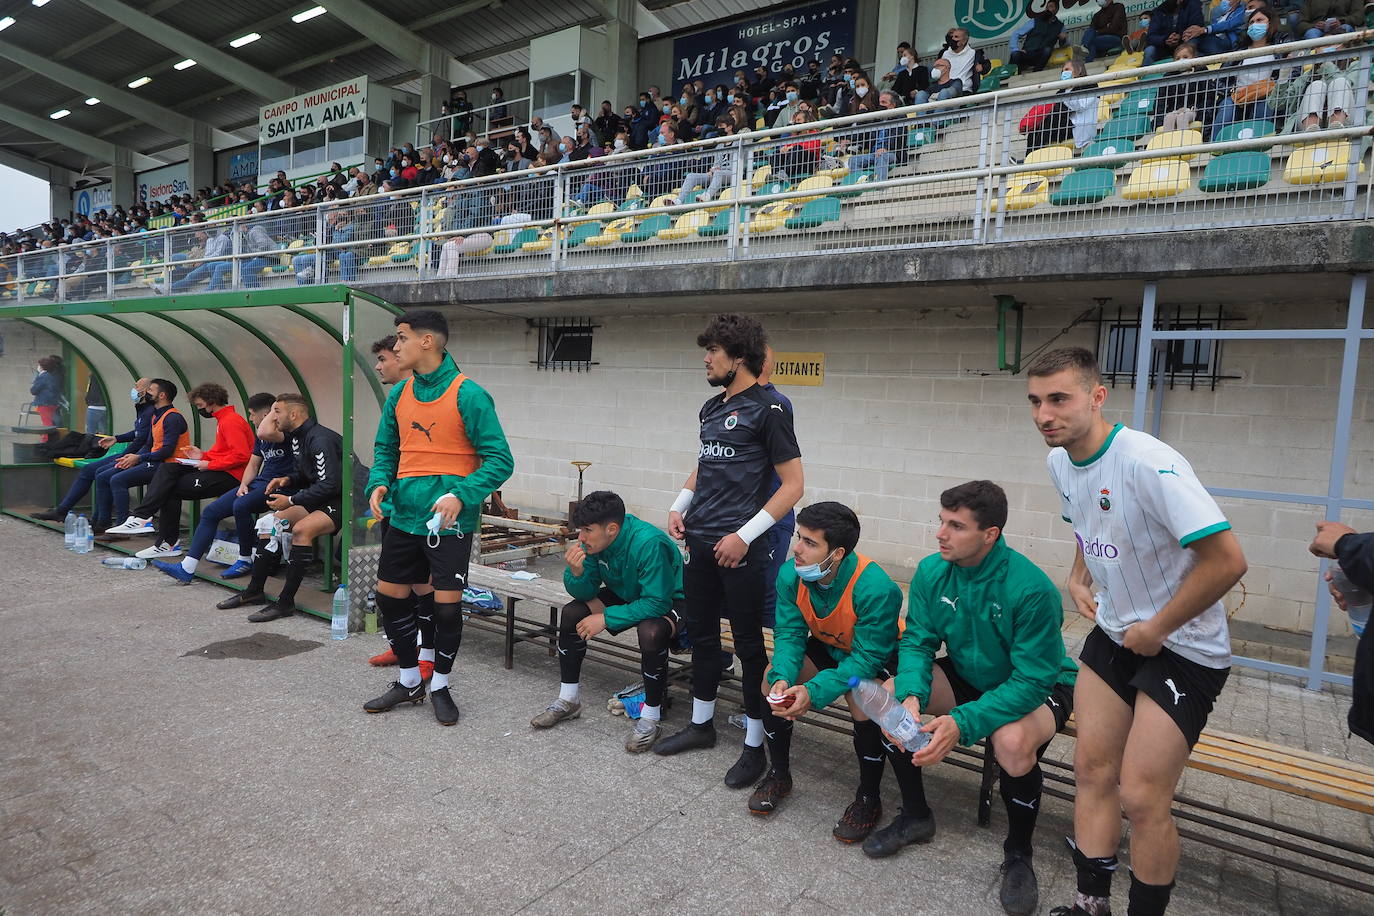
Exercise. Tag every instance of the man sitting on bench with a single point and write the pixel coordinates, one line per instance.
(313, 509)
(837, 618)
(622, 572)
(1005, 675)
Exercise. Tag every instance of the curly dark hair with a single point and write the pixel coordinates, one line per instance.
(210, 393)
(50, 363)
(598, 508)
(740, 336)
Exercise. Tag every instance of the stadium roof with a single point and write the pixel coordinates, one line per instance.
(57, 54)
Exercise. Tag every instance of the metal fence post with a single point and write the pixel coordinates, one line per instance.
(167, 261)
(737, 192)
(109, 268)
(235, 264)
(559, 196)
(321, 254)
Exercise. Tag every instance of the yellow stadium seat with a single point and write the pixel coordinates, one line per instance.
(686, 226)
(396, 249)
(1061, 56)
(814, 183)
(612, 233)
(1157, 179)
(601, 209)
(1319, 163)
(1128, 61)
(1051, 154)
(772, 216)
(1024, 192)
(760, 176)
(726, 195)
(543, 243)
(1165, 141)
(837, 173)
(635, 191)
(662, 200)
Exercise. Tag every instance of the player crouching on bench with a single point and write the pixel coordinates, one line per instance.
(622, 572)
(1005, 675)
(837, 618)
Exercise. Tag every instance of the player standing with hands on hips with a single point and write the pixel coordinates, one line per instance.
(440, 452)
(723, 513)
(1161, 555)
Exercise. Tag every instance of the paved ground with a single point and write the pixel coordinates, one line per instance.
(159, 756)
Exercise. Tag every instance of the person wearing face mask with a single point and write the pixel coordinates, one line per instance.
(1167, 24)
(942, 84)
(910, 77)
(719, 175)
(607, 124)
(1046, 33)
(645, 119)
(791, 99)
(1105, 30)
(608, 184)
(197, 475)
(1005, 675)
(838, 616)
(664, 173)
(1248, 96)
(167, 439)
(583, 147)
(94, 471)
(1073, 117)
(498, 115)
(621, 573)
(763, 82)
(691, 109)
(1222, 33)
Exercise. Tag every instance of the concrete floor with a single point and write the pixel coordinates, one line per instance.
(160, 756)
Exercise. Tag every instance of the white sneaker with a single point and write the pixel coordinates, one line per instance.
(160, 552)
(132, 525)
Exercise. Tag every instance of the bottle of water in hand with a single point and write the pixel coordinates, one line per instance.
(1358, 602)
(891, 716)
(338, 621)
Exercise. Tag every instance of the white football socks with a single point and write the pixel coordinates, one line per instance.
(703, 711)
(189, 564)
(569, 692)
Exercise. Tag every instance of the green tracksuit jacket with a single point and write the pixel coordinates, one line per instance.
(877, 605)
(1000, 623)
(643, 566)
(412, 498)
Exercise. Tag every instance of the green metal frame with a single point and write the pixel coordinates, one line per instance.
(214, 351)
(277, 351)
(155, 344)
(1007, 304)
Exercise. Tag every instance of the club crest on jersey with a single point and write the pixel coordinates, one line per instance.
(1104, 502)
(732, 421)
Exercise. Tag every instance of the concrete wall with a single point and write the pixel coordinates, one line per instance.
(913, 403)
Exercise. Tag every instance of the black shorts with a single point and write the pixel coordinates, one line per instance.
(1182, 688)
(819, 655)
(1059, 702)
(333, 510)
(674, 615)
(408, 559)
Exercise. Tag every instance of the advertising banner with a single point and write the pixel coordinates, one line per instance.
(89, 200)
(160, 184)
(992, 21)
(332, 105)
(791, 36)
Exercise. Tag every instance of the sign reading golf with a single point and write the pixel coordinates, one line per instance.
(327, 107)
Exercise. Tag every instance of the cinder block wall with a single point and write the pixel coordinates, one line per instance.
(913, 403)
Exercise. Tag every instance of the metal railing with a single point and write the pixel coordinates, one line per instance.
(495, 120)
(978, 170)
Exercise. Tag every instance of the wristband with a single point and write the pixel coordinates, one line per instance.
(756, 526)
(684, 499)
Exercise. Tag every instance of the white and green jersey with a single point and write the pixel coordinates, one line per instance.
(1135, 506)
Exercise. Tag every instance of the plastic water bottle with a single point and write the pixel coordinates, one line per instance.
(69, 531)
(85, 541)
(124, 563)
(338, 622)
(891, 716)
(1358, 602)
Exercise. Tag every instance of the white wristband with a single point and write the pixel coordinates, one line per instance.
(756, 526)
(684, 499)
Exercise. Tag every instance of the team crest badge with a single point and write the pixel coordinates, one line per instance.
(1104, 502)
(732, 421)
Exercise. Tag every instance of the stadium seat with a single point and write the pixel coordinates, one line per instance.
(612, 232)
(989, 83)
(632, 204)
(1130, 127)
(1003, 72)
(1319, 163)
(601, 209)
(583, 231)
(835, 172)
(396, 250)
(814, 183)
(1172, 140)
(1128, 61)
(1085, 186)
(921, 136)
(760, 176)
(1060, 57)
(543, 243)
(1139, 102)
(1236, 172)
(1051, 154)
(771, 216)
(1105, 148)
(1245, 130)
(648, 229)
(719, 225)
(852, 181)
(1023, 192)
(726, 195)
(528, 234)
(1157, 179)
(815, 213)
(687, 224)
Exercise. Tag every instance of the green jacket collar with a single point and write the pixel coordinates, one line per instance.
(616, 550)
(439, 379)
(847, 567)
(993, 565)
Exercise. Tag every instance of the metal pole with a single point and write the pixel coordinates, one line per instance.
(1157, 420)
(346, 367)
(1144, 346)
(1335, 487)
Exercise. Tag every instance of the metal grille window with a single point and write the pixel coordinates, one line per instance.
(564, 343)
(1186, 362)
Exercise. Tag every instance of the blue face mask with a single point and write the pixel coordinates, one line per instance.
(730, 99)
(134, 395)
(682, 100)
(791, 96)
(1257, 30)
(394, 173)
(1065, 75)
(562, 147)
(710, 98)
(814, 572)
(644, 103)
(662, 139)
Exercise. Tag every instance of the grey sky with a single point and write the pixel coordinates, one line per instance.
(24, 202)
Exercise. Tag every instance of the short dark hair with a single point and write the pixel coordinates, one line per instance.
(50, 363)
(740, 336)
(835, 520)
(985, 499)
(423, 320)
(1078, 359)
(165, 387)
(600, 507)
(210, 393)
(261, 401)
(386, 343)
(291, 397)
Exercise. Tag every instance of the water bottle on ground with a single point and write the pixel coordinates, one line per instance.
(338, 621)
(1358, 602)
(85, 540)
(124, 563)
(69, 531)
(891, 716)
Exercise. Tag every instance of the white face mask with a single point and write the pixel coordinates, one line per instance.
(906, 62)
(861, 91)
(619, 143)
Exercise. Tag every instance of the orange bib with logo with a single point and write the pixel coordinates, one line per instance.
(434, 441)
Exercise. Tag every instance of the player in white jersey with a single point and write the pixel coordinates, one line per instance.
(1160, 555)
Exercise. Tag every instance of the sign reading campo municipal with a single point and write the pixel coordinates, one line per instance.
(337, 104)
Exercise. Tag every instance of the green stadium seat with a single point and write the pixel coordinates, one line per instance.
(1129, 127)
(815, 213)
(921, 136)
(524, 235)
(1139, 102)
(1245, 130)
(1236, 172)
(583, 231)
(719, 225)
(852, 181)
(648, 229)
(1105, 148)
(1085, 186)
